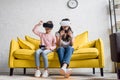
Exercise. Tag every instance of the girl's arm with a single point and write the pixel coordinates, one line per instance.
(53, 43)
(53, 46)
(36, 28)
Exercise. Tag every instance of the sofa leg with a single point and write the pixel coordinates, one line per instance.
(24, 70)
(101, 71)
(118, 74)
(11, 71)
(93, 70)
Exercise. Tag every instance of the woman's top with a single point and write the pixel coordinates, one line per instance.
(63, 43)
(46, 39)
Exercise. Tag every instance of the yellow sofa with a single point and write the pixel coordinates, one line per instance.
(87, 54)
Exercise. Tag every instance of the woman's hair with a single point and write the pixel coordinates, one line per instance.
(48, 24)
(67, 37)
(65, 19)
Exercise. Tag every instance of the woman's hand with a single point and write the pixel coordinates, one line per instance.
(70, 34)
(62, 33)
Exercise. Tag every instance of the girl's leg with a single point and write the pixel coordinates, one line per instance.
(37, 61)
(37, 58)
(45, 59)
(60, 52)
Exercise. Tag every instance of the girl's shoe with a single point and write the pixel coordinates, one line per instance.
(68, 73)
(37, 73)
(45, 74)
(62, 71)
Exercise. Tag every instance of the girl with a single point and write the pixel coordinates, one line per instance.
(64, 39)
(48, 44)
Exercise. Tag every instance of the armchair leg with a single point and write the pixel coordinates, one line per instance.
(11, 71)
(93, 70)
(24, 70)
(101, 71)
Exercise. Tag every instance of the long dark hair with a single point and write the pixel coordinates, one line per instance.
(65, 37)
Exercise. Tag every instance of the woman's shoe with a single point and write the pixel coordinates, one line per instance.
(62, 71)
(68, 73)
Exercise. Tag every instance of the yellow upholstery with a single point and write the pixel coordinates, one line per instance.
(80, 39)
(25, 44)
(34, 41)
(87, 44)
(87, 54)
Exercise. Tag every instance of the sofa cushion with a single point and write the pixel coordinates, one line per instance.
(34, 41)
(89, 44)
(24, 54)
(27, 54)
(84, 53)
(80, 39)
(25, 44)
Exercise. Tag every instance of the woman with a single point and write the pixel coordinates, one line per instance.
(64, 38)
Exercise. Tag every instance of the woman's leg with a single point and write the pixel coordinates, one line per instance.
(60, 52)
(37, 58)
(68, 53)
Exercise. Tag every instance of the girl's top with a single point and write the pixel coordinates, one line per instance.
(46, 39)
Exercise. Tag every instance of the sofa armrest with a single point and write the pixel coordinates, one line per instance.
(99, 45)
(13, 46)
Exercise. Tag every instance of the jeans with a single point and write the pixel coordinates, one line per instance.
(44, 55)
(64, 54)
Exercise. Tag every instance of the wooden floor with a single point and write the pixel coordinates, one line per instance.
(75, 76)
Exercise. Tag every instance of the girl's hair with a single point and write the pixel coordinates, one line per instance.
(49, 22)
(67, 37)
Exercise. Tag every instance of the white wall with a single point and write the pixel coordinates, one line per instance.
(17, 18)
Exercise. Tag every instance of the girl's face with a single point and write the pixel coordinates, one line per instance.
(65, 27)
(48, 30)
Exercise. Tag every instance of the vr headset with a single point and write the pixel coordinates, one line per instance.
(42, 47)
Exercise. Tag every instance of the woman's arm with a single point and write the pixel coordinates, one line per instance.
(36, 27)
(59, 37)
(72, 39)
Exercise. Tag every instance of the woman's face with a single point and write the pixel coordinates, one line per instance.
(48, 30)
(65, 27)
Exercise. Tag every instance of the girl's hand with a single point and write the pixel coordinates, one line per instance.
(47, 48)
(40, 23)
